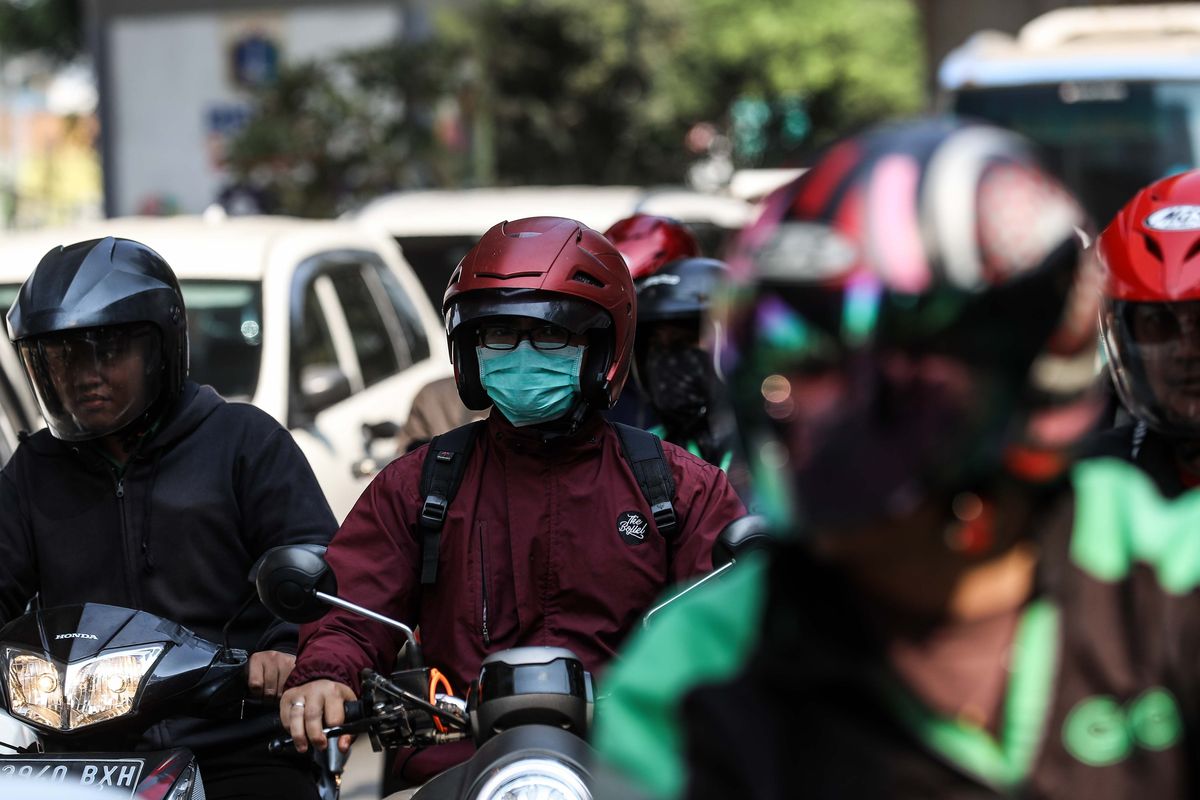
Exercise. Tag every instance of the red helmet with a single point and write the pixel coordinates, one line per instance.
(900, 306)
(648, 243)
(1151, 258)
(553, 269)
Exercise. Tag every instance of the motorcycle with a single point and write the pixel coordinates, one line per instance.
(528, 713)
(90, 678)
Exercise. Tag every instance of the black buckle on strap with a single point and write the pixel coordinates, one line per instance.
(664, 516)
(434, 510)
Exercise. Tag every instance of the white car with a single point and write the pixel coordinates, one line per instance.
(321, 324)
(435, 228)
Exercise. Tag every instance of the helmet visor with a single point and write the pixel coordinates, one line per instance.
(577, 316)
(93, 381)
(1154, 354)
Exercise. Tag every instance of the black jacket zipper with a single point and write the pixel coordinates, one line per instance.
(487, 638)
(130, 582)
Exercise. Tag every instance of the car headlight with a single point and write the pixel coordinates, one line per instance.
(83, 693)
(535, 779)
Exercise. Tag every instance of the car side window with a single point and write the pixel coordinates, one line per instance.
(377, 359)
(315, 344)
(406, 312)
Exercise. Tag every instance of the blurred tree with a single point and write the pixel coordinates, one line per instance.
(579, 91)
(327, 136)
(53, 28)
(817, 70)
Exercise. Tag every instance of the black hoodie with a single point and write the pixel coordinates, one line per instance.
(176, 534)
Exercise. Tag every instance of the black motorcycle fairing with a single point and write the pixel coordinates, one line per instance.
(515, 744)
(68, 634)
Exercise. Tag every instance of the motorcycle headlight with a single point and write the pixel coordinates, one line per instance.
(83, 694)
(34, 688)
(535, 779)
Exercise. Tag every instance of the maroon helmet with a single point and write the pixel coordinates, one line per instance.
(649, 243)
(547, 268)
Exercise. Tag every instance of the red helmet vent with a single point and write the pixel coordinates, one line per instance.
(1193, 251)
(590, 280)
(1152, 247)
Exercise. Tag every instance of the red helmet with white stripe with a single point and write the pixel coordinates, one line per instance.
(1151, 321)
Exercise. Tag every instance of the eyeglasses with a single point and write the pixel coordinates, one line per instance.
(506, 337)
(1161, 323)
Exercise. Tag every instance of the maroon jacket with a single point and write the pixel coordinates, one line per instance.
(532, 553)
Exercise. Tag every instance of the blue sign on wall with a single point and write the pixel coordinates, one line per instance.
(255, 61)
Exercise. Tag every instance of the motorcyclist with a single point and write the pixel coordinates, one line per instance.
(648, 243)
(550, 540)
(147, 490)
(1151, 331)
(958, 611)
(674, 358)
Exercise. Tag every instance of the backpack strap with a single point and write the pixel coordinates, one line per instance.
(643, 450)
(441, 473)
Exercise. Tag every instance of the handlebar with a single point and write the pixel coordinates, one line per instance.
(392, 717)
(357, 721)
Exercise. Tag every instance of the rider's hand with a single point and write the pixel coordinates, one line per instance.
(308, 708)
(267, 672)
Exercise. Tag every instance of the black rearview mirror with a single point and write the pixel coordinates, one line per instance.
(288, 579)
(741, 537)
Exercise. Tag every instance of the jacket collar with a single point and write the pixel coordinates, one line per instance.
(533, 440)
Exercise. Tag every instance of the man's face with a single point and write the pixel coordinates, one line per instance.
(99, 375)
(1167, 337)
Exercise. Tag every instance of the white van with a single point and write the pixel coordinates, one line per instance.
(321, 324)
(1112, 93)
(436, 228)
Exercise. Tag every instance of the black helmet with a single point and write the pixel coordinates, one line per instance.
(90, 306)
(672, 365)
(914, 319)
(681, 290)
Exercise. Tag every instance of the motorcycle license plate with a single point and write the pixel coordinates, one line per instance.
(119, 776)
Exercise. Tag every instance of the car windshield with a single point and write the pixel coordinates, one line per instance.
(433, 258)
(225, 333)
(224, 329)
(1105, 139)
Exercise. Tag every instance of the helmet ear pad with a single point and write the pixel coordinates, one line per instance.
(592, 383)
(593, 386)
(466, 368)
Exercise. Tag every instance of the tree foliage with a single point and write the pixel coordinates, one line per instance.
(327, 135)
(52, 28)
(579, 91)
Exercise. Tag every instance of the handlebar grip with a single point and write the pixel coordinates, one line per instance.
(354, 710)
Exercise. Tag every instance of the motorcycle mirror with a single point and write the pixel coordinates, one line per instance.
(740, 538)
(288, 579)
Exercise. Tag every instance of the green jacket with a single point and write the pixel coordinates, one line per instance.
(1117, 597)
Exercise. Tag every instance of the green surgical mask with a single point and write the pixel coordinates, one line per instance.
(531, 386)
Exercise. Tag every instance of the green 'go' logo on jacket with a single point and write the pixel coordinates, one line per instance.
(1098, 731)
